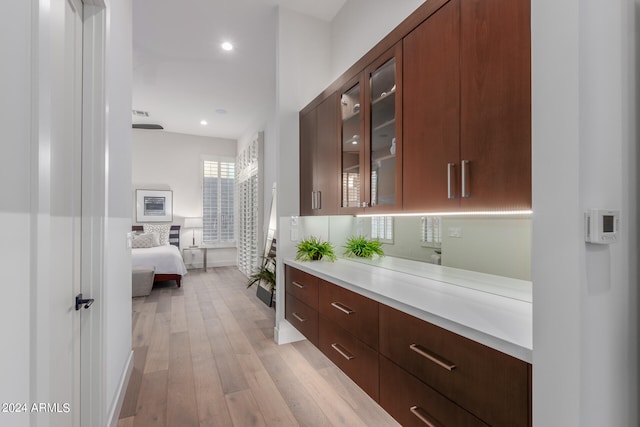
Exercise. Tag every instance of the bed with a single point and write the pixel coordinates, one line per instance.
(165, 258)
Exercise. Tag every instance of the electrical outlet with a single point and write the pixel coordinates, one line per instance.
(455, 232)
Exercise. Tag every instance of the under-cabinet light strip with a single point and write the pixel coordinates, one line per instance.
(472, 213)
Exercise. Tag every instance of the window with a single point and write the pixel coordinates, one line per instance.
(431, 231)
(218, 201)
(382, 228)
(249, 184)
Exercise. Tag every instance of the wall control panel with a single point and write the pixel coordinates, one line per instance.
(601, 226)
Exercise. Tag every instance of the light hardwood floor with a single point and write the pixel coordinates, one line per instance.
(204, 355)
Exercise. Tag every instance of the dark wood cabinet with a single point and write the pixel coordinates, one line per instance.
(495, 114)
(467, 124)
(371, 137)
(494, 386)
(413, 403)
(351, 355)
(432, 112)
(308, 143)
(302, 317)
(301, 285)
(319, 174)
(353, 312)
(301, 302)
(416, 370)
(436, 117)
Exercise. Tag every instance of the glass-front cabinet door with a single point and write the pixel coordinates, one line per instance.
(383, 123)
(371, 137)
(352, 142)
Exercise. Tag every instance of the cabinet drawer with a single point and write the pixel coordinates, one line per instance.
(351, 355)
(353, 312)
(302, 317)
(413, 403)
(492, 385)
(302, 285)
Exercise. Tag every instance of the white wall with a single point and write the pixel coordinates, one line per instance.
(172, 161)
(117, 257)
(302, 73)
(360, 25)
(584, 155)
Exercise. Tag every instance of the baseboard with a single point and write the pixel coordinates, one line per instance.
(114, 412)
(285, 333)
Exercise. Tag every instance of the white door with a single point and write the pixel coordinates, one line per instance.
(65, 206)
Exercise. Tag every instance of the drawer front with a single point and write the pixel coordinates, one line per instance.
(302, 317)
(353, 312)
(412, 403)
(352, 356)
(302, 285)
(492, 385)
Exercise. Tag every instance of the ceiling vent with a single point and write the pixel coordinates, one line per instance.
(140, 113)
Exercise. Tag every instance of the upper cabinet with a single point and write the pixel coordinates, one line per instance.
(432, 112)
(467, 120)
(437, 117)
(352, 142)
(495, 113)
(319, 174)
(371, 137)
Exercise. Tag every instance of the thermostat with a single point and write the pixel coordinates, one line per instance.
(601, 226)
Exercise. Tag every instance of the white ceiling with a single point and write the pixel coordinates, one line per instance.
(181, 75)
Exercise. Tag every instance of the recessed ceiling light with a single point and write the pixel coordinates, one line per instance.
(227, 46)
(203, 122)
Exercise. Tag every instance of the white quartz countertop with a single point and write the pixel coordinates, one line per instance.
(500, 322)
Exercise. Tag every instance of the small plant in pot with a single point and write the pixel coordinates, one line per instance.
(266, 274)
(314, 249)
(361, 247)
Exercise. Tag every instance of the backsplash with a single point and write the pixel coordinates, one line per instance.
(493, 245)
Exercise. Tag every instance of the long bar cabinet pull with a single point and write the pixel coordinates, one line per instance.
(465, 193)
(343, 308)
(342, 351)
(424, 416)
(300, 318)
(450, 194)
(432, 357)
(297, 285)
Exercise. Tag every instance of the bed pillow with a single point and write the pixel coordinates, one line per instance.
(144, 240)
(161, 229)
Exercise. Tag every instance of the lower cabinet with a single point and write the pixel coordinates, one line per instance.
(302, 317)
(413, 403)
(490, 384)
(352, 356)
(420, 373)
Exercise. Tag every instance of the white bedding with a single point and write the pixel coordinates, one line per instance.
(166, 259)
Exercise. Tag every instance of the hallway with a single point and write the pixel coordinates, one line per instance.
(205, 356)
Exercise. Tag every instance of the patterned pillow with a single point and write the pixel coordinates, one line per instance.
(161, 229)
(144, 240)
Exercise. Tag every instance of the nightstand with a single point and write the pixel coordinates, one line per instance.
(196, 248)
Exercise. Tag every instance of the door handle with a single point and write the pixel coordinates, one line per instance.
(465, 186)
(79, 301)
(450, 194)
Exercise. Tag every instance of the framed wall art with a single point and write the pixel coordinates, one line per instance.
(154, 205)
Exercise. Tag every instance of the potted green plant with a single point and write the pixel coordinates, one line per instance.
(266, 273)
(314, 249)
(361, 247)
